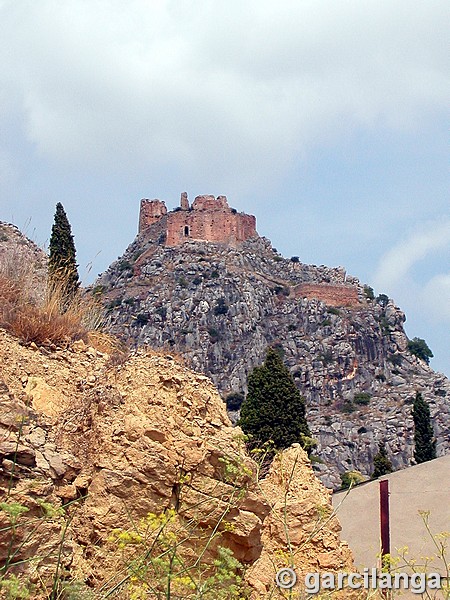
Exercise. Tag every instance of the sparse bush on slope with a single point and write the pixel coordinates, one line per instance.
(42, 314)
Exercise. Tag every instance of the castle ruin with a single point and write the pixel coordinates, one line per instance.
(209, 219)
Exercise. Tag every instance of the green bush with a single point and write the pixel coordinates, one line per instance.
(221, 307)
(419, 348)
(381, 463)
(382, 300)
(234, 400)
(362, 398)
(274, 409)
(368, 292)
(351, 478)
(142, 319)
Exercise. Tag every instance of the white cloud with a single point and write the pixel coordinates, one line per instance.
(396, 264)
(436, 295)
(233, 89)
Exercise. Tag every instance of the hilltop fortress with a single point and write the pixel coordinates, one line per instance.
(209, 219)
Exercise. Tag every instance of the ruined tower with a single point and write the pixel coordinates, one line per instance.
(209, 219)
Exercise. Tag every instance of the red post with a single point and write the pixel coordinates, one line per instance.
(384, 520)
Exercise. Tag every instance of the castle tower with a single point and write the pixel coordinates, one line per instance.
(151, 211)
(184, 202)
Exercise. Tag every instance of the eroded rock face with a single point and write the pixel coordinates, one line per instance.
(221, 307)
(146, 436)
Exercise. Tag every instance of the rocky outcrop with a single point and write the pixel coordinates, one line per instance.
(114, 443)
(220, 307)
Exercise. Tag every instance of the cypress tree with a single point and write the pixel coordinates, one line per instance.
(62, 264)
(273, 408)
(424, 442)
(381, 463)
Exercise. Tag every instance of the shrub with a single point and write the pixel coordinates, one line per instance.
(234, 400)
(213, 334)
(382, 300)
(368, 292)
(48, 319)
(419, 348)
(295, 259)
(221, 307)
(124, 265)
(381, 463)
(348, 407)
(332, 310)
(362, 398)
(142, 319)
(351, 478)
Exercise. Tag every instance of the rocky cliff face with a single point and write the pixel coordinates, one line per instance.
(120, 446)
(220, 307)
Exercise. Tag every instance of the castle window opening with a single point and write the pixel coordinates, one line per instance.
(186, 231)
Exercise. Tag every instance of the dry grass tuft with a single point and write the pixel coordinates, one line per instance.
(40, 313)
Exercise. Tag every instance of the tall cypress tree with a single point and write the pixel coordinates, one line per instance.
(273, 408)
(62, 266)
(424, 442)
(381, 463)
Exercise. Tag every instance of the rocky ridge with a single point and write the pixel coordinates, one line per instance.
(113, 443)
(220, 307)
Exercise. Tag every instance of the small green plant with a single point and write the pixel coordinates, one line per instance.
(142, 319)
(124, 265)
(351, 478)
(368, 292)
(381, 463)
(362, 398)
(295, 259)
(332, 310)
(419, 348)
(213, 334)
(234, 400)
(382, 300)
(221, 307)
(347, 407)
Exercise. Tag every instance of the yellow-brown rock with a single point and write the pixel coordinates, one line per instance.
(149, 436)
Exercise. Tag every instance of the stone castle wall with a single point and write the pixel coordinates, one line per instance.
(330, 294)
(209, 219)
(151, 211)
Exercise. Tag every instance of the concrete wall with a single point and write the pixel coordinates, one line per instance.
(424, 487)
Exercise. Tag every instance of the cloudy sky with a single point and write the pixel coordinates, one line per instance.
(327, 119)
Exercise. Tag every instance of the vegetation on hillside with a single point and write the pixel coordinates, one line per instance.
(424, 440)
(273, 410)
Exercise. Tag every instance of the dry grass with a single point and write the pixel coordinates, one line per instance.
(36, 312)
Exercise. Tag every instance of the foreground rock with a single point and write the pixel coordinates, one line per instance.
(113, 443)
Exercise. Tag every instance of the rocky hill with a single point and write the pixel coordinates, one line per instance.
(199, 280)
(111, 467)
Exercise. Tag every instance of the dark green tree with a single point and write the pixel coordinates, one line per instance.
(419, 348)
(62, 266)
(424, 441)
(273, 408)
(381, 463)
